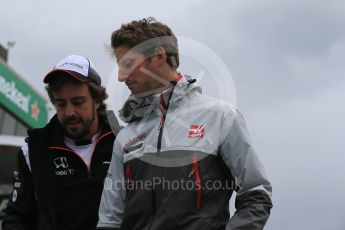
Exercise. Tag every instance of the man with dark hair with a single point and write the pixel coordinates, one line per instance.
(177, 137)
(59, 180)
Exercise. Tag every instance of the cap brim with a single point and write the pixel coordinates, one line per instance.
(54, 74)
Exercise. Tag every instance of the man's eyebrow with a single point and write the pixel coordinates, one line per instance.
(125, 59)
(78, 97)
(120, 61)
(73, 98)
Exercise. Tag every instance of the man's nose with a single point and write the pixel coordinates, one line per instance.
(69, 110)
(122, 75)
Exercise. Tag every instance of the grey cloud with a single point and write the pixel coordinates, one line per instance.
(284, 49)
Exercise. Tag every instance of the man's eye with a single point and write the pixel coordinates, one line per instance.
(78, 102)
(127, 64)
(59, 104)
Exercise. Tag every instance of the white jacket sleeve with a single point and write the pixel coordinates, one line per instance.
(112, 201)
(253, 189)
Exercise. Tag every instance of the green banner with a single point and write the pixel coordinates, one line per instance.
(19, 98)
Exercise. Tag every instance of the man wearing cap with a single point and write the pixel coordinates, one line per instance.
(61, 169)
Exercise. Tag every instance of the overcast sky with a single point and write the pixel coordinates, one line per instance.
(287, 59)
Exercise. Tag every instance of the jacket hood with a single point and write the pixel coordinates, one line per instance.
(137, 108)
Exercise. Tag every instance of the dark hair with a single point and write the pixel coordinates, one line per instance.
(148, 30)
(97, 92)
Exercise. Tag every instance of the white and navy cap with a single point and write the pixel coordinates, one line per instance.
(75, 66)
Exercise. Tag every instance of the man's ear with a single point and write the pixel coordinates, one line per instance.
(160, 56)
(97, 104)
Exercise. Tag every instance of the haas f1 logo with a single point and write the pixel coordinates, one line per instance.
(60, 162)
(196, 131)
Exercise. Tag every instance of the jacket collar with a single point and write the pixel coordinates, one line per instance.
(137, 108)
(56, 133)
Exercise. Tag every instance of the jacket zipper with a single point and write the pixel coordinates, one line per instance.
(159, 145)
(91, 160)
(164, 110)
(161, 127)
(197, 181)
(153, 210)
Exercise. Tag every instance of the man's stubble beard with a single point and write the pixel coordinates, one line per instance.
(84, 131)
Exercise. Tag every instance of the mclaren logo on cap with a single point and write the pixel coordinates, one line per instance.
(75, 63)
(72, 65)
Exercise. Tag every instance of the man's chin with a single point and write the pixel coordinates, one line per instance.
(78, 131)
(146, 93)
(75, 134)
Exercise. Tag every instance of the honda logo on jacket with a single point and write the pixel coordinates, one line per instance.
(60, 162)
(61, 166)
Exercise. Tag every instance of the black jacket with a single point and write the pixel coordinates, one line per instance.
(50, 197)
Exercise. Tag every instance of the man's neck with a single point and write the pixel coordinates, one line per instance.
(95, 128)
(170, 76)
(83, 141)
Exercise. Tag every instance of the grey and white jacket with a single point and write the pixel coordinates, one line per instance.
(177, 168)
